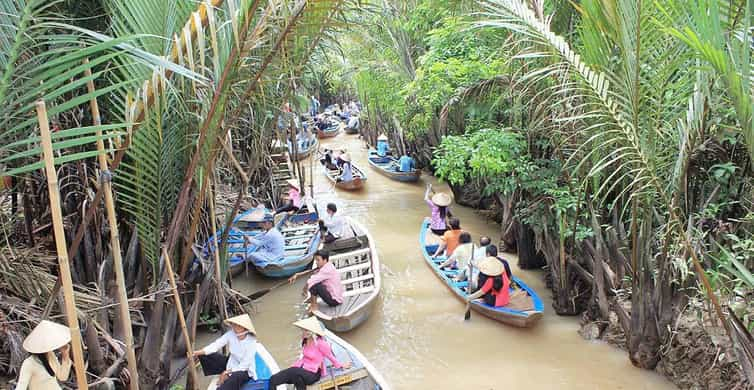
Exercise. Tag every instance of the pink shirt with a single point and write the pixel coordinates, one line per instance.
(313, 357)
(295, 196)
(331, 279)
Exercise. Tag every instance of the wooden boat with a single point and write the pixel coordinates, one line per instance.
(361, 376)
(359, 177)
(265, 366)
(301, 233)
(359, 268)
(519, 318)
(331, 131)
(305, 148)
(351, 130)
(388, 166)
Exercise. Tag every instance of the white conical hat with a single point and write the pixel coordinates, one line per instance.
(382, 137)
(311, 324)
(243, 320)
(47, 336)
(345, 157)
(441, 199)
(294, 183)
(491, 266)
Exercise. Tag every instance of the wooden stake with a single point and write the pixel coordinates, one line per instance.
(181, 318)
(60, 244)
(120, 280)
(216, 252)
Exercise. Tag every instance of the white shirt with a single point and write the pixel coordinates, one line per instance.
(463, 253)
(337, 226)
(242, 352)
(480, 253)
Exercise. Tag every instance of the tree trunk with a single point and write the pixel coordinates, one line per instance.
(528, 255)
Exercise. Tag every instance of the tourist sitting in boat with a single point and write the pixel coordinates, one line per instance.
(346, 169)
(310, 367)
(239, 366)
(294, 202)
(462, 254)
(324, 283)
(334, 226)
(382, 146)
(450, 239)
(494, 282)
(270, 243)
(439, 210)
(481, 250)
(328, 159)
(492, 252)
(406, 164)
(42, 370)
(353, 122)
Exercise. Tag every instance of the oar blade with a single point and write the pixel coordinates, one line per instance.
(467, 316)
(259, 294)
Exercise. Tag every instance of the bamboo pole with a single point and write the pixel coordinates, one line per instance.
(60, 244)
(120, 280)
(216, 252)
(181, 318)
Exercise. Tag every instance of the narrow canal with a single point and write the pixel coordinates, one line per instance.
(416, 335)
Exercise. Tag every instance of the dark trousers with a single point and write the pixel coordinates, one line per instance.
(288, 207)
(214, 364)
(439, 232)
(329, 238)
(319, 290)
(296, 376)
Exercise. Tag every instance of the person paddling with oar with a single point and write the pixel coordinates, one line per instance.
(495, 285)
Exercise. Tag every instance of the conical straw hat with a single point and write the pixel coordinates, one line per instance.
(259, 215)
(294, 183)
(345, 157)
(491, 266)
(47, 336)
(243, 320)
(382, 137)
(441, 199)
(311, 324)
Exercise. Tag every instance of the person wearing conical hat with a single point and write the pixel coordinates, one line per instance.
(382, 145)
(240, 366)
(310, 367)
(495, 283)
(346, 169)
(270, 245)
(439, 210)
(42, 370)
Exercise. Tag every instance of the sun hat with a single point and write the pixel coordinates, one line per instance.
(491, 266)
(311, 324)
(294, 183)
(46, 337)
(441, 199)
(260, 215)
(243, 321)
(382, 137)
(345, 157)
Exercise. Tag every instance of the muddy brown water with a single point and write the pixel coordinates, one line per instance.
(416, 335)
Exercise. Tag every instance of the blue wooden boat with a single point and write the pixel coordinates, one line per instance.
(304, 148)
(265, 366)
(301, 233)
(362, 374)
(519, 318)
(331, 131)
(388, 166)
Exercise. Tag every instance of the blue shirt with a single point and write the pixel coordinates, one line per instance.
(271, 242)
(347, 174)
(382, 148)
(406, 163)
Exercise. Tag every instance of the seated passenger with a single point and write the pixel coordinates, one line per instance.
(239, 366)
(450, 239)
(494, 282)
(324, 283)
(462, 254)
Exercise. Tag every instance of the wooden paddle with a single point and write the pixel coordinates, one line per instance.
(264, 292)
(467, 316)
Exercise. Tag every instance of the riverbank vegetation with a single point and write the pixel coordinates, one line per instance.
(612, 139)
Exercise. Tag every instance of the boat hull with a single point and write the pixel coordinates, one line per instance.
(361, 375)
(517, 318)
(328, 133)
(305, 153)
(383, 166)
(359, 178)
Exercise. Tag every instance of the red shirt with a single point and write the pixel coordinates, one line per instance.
(502, 296)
